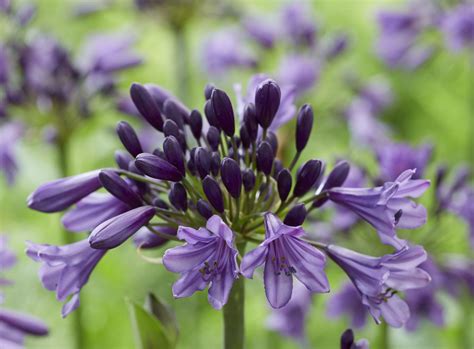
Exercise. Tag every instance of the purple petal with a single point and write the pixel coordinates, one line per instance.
(395, 311)
(220, 288)
(252, 260)
(185, 258)
(23, 322)
(188, 283)
(278, 285)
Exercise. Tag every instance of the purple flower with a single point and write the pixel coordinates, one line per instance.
(300, 72)
(208, 257)
(299, 27)
(10, 134)
(458, 273)
(458, 27)
(65, 269)
(93, 210)
(348, 301)
(264, 32)
(394, 158)
(225, 50)
(15, 326)
(287, 109)
(284, 255)
(386, 207)
(290, 320)
(116, 230)
(61, 193)
(377, 279)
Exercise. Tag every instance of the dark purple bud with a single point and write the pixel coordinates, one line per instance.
(213, 137)
(208, 91)
(141, 186)
(306, 177)
(160, 203)
(146, 105)
(116, 186)
(174, 153)
(204, 209)
(160, 153)
(61, 193)
(231, 177)
(210, 114)
(215, 163)
(170, 128)
(213, 193)
(277, 167)
(296, 216)
(304, 125)
(178, 197)
(173, 111)
(244, 137)
(122, 159)
(117, 230)
(224, 112)
(284, 182)
(195, 122)
(440, 176)
(250, 120)
(267, 102)
(273, 140)
(202, 161)
(265, 157)
(338, 175)
(248, 178)
(129, 138)
(347, 339)
(155, 167)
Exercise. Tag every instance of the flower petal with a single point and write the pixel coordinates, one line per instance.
(188, 283)
(278, 285)
(252, 260)
(187, 257)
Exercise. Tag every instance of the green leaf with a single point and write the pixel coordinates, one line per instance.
(149, 332)
(164, 314)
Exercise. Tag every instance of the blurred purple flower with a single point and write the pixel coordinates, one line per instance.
(264, 32)
(347, 301)
(65, 269)
(462, 205)
(290, 320)
(208, 257)
(388, 206)
(300, 72)
(15, 326)
(299, 26)
(7, 260)
(458, 27)
(10, 134)
(458, 273)
(285, 255)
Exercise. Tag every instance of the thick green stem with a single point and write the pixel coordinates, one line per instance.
(384, 336)
(234, 323)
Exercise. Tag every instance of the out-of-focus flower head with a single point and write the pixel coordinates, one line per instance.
(458, 27)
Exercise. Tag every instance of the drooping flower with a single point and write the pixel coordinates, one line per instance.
(377, 279)
(458, 27)
(209, 257)
(347, 301)
(65, 269)
(285, 255)
(386, 207)
(290, 320)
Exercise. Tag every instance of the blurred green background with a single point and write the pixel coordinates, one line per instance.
(434, 104)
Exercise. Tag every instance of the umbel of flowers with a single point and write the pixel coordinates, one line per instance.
(217, 188)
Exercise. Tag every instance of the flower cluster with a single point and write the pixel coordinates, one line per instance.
(15, 326)
(219, 189)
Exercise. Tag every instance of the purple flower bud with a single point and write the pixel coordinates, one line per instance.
(223, 110)
(215, 163)
(296, 216)
(174, 153)
(267, 102)
(277, 167)
(213, 193)
(213, 137)
(265, 158)
(307, 175)
(204, 209)
(244, 137)
(211, 114)
(160, 203)
(146, 105)
(160, 153)
(172, 111)
(59, 194)
(338, 175)
(155, 167)
(284, 181)
(440, 176)
(170, 128)
(18, 324)
(122, 159)
(119, 188)
(202, 161)
(248, 178)
(129, 138)
(195, 122)
(250, 120)
(145, 239)
(273, 140)
(178, 197)
(304, 124)
(231, 177)
(117, 230)
(208, 91)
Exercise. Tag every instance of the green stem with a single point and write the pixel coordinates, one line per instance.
(234, 312)
(384, 336)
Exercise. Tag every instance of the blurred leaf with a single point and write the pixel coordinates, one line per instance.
(148, 330)
(164, 314)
